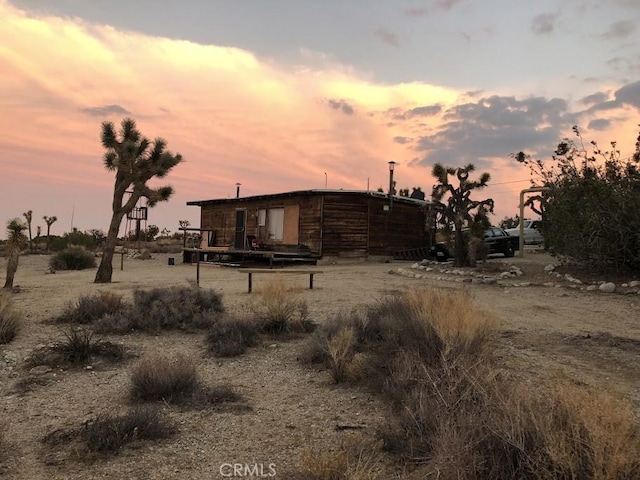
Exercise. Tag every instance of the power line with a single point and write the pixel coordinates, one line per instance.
(512, 181)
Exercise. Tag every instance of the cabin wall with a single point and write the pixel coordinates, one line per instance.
(402, 227)
(345, 228)
(301, 221)
(330, 224)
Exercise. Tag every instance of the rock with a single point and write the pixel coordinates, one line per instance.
(592, 288)
(634, 283)
(415, 265)
(40, 370)
(549, 268)
(608, 287)
(549, 284)
(505, 275)
(489, 281)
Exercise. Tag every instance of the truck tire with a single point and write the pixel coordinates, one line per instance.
(509, 251)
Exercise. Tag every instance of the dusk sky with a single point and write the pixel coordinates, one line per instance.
(273, 94)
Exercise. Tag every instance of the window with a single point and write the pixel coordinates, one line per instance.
(275, 223)
(262, 224)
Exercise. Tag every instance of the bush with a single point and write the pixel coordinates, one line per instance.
(433, 325)
(10, 318)
(73, 257)
(90, 308)
(109, 433)
(278, 312)
(590, 210)
(231, 337)
(455, 413)
(184, 308)
(78, 348)
(176, 381)
(161, 378)
(152, 310)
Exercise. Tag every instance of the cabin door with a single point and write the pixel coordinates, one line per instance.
(241, 221)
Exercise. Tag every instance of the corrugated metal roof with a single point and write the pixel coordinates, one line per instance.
(305, 193)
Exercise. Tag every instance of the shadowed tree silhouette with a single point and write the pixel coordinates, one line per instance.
(16, 241)
(454, 203)
(135, 160)
(49, 221)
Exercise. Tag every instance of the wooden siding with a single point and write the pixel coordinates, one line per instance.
(221, 218)
(328, 223)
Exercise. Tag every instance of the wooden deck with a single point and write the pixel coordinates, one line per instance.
(216, 255)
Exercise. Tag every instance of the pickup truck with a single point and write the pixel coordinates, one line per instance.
(532, 234)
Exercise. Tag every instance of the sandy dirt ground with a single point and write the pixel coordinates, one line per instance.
(590, 338)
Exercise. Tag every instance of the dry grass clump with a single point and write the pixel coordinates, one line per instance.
(108, 433)
(231, 337)
(176, 381)
(355, 459)
(162, 378)
(278, 311)
(10, 318)
(79, 347)
(433, 325)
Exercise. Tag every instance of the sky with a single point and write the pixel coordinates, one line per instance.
(282, 95)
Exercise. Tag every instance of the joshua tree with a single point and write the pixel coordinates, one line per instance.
(28, 215)
(454, 204)
(135, 160)
(49, 221)
(16, 240)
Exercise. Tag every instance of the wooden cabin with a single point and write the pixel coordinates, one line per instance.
(315, 223)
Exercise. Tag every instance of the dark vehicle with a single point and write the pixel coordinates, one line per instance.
(500, 241)
(496, 239)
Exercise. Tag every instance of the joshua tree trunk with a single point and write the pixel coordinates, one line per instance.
(12, 268)
(105, 270)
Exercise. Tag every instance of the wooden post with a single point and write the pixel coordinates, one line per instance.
(197, 267)
(121, 260)
(311, 281)
(249, 282)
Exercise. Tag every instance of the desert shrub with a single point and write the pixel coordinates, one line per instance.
(278, 311)
(109, 433)
(175, 380)
(74, 257)
(453, 413)
(231, 337)
(79, 347)
(184, 308)
(434, 325)
(161, 378)
(10, 318)
(90, 308)
(590, 209)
